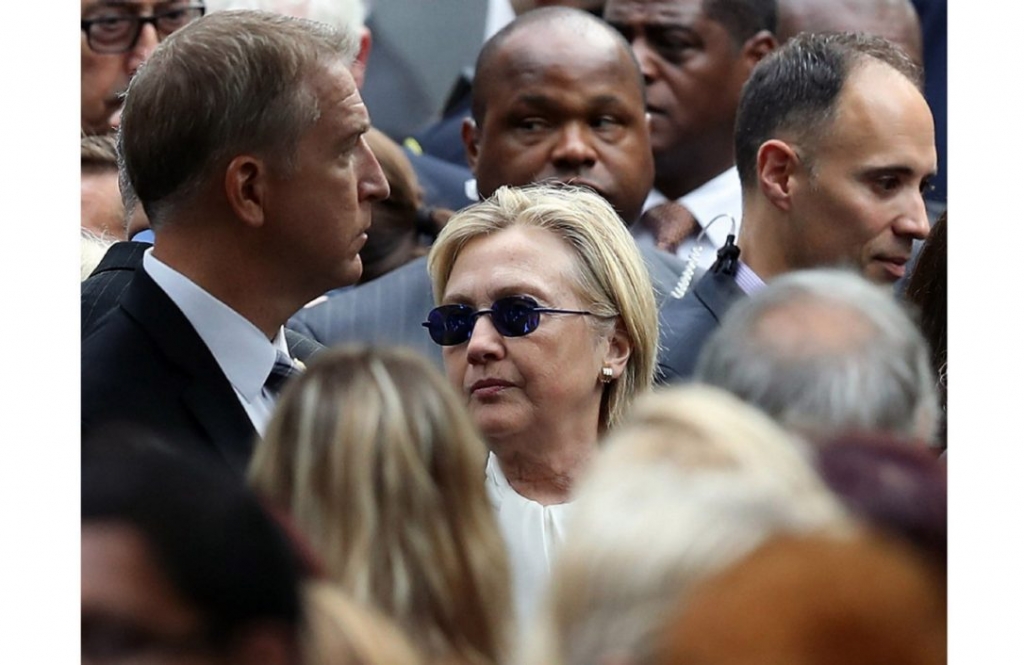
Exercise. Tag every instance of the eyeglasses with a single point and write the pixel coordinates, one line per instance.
(119, 33)
(512, 316)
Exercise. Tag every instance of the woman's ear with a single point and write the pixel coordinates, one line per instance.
(619, 349)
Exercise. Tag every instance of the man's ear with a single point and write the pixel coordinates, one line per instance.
(471, 139)
(245, 188)
(757, 47)
(619, 349)
(777, 163)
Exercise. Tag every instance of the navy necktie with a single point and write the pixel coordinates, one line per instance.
(283, 370)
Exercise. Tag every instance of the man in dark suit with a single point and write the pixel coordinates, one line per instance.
(103, 288)
(538, 115)
(834, 145)
(243, 140)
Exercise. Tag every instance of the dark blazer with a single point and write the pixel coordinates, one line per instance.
(144, 364)
(388, 311)
(444, 184)
(103, 287)
(687, 323)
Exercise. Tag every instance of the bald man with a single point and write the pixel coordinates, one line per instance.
(896, 20)
(566, 105)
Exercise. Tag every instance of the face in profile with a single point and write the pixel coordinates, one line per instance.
(319, 212)
(857, 196)
(693, 68)
(131, 612)
(563, 104)
(547, 380)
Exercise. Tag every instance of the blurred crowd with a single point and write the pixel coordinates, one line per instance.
(514, 332)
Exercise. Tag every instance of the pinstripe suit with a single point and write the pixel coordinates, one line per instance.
(687, 323)
(389, 310)
(107, 282)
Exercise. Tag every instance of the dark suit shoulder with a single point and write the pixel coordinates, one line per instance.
(144, 364)
(686, 324)
(387, 311)
(663, 268)
(300, 346)
(104, 286)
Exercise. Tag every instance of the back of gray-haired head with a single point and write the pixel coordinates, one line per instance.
(826, 352)
(641, 539)
(793, 91)
(341, 14)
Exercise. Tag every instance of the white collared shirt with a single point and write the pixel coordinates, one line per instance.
(720, 195)
(244, 354)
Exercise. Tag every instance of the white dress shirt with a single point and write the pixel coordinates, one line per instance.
(244, 354)
(720, 195)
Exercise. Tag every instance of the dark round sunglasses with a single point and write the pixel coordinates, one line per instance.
(512, 316)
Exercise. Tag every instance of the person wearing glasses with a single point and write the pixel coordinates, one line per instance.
(117, 37)
(548, 328)
(538, 116)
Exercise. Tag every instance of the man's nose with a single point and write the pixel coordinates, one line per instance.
(373, 185)
(645, 58)
(575, 147)
(144, 47)
(914, 223)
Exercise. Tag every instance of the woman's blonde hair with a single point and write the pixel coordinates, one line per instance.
(611, 277)
(378, 463)
(336, 630)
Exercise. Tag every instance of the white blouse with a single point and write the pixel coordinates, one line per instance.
(533, 533)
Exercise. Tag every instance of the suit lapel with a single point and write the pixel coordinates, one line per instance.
(207, 394)
(718, 291)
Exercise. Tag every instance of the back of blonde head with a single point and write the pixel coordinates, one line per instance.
(336, 630)
(611, 277)
(374, 457)
(693, 480)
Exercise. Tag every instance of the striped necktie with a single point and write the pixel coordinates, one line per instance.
(283, 370)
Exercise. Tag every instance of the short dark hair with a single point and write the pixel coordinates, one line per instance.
(544, 16)
(742, 19)
(228, 83)
(208, 532)
(795, 88)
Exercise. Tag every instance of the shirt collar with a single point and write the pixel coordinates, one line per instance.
(720, 195)
(244, 354)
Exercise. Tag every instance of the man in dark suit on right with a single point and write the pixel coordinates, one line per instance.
(835, 145)
(538, 115)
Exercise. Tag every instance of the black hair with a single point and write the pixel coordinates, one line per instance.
(208, 532)
(795, 89)
(743, 19)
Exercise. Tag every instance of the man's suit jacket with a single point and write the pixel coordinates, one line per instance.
(687, 323)
(389, 310)
(103, 287)
(144, 364)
